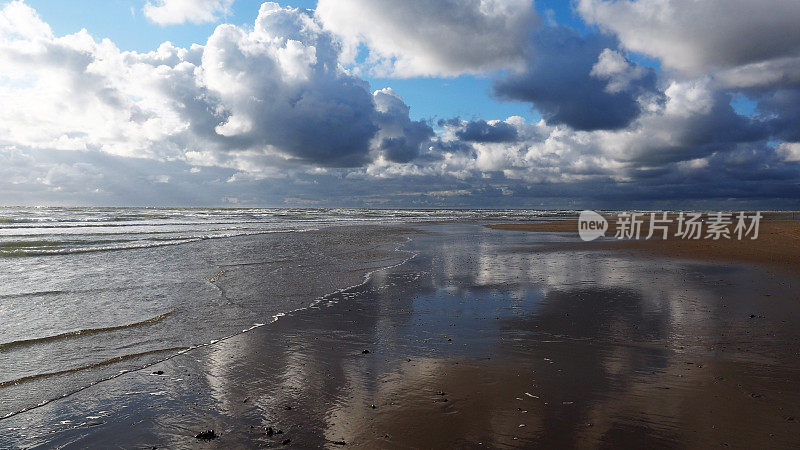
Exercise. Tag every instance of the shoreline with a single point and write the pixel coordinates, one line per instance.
(187, 350)
(387, 252)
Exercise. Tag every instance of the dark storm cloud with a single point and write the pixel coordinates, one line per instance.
(400, 149)
(719, 129)
(455, 146)
(781, 109)
(722, 125)
(327, 125)
(481, 131)
(400, 137)
(746, 172)
(559, 81)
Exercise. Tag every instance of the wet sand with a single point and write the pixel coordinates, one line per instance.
(486, 338)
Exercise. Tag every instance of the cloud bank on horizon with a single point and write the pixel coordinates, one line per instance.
(636, 108)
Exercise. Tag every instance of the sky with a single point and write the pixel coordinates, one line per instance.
(647, 104)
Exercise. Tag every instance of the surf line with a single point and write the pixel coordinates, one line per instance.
(85, 332)
(186, 350)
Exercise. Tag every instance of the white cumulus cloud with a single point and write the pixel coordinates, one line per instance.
(175, 12)
(270, 95)
(748, 39)
(82, 119)
(433, 38)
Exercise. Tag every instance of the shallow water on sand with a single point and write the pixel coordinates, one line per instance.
(485, 338)
(87, 293)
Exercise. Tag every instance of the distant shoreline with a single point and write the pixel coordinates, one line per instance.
(778, 243)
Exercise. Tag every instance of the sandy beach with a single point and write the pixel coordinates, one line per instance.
(778, 243)
(484, 338)
(399, 224)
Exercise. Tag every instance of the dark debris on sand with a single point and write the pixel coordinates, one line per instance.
(206, 435)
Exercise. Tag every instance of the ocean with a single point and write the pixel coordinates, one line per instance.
(91, 293)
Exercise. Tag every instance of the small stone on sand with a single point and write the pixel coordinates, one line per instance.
(206, 435)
